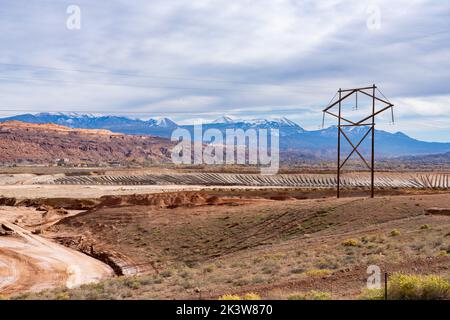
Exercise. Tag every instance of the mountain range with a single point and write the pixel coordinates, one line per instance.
(294, 140)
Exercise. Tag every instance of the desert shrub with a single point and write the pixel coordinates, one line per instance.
(311, 295)
(412, 287)
(191, 264)
(166, 273)
(131, 283)
(158, 280)
(318, 272)
(425, 227)
(443, 253)
(395, 233)
(327, 262)
(435, 288)
(239, 264)
(297, 270)
(247, 296)
(230, 297)
(242, 282)
(270, 267)
(274, 256)
(187, 284)
(372, 294)
(186, 274)
(251, 296)
(145, 281)
(209, 268)
(257, 260)
(257, 279)
(62, 296)
(350, 243)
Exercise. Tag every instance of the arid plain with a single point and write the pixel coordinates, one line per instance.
(99, 235)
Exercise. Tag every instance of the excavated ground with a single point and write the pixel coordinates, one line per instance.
(270, 241)
(270, 245)
(352, 180)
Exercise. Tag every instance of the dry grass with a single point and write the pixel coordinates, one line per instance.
(206, 251)
(318, 272)
(350, 243)
(311, 295)
(412, 287)
(246, 296)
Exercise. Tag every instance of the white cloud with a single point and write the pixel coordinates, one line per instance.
(279, 56)
(430, 106)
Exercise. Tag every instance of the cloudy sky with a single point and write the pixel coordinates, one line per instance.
(201, 59)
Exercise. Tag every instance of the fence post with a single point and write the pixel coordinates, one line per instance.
(385, 286)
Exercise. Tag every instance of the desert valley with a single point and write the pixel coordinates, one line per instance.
(224, 159)
(140, 227)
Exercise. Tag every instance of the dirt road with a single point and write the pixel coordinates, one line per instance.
(96, 191)
(31, 263)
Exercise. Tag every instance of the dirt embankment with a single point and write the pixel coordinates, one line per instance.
(45, 143)
(39, 215)
(56, 203)
(31, 263)
(247, 241)
(161, 200)
(118, 260)
(251, 240)
(173, 200)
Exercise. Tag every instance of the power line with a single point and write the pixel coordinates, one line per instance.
(114, 84)
(137, 75)
(420, 37)
(93, 110)
(209, 80)
(145, 86)
(134, 75)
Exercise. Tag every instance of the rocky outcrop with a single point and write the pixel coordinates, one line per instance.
(22, 142)
(438, 211)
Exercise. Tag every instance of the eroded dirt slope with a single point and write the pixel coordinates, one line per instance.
(44, 143)
(31, 263)
(227, 244)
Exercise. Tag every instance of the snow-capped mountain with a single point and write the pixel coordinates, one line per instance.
(332, 130)
(286, 122)
(274, 123)
(165, 123)
(66, 114)
(224, 120)
(159, 127)
(285, 126)
(293, 138)
(271, 122)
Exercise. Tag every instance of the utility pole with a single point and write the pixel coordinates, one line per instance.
(339, 147)
(367, 121)
(372, 171)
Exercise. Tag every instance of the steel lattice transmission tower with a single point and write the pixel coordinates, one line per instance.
(335, 109)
